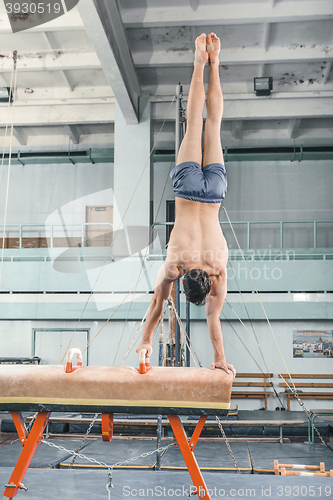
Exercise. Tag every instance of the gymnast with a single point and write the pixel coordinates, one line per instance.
(197, 249)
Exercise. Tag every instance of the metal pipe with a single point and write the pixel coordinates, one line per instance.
(177, 327)
(20, 244)
(177, 129)
(177, 288)
(188, 359)
(281, 235)
(159, 417)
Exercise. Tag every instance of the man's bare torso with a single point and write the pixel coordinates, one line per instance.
(196, 240)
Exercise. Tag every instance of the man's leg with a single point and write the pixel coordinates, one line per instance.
(190, 149)
(212, 138)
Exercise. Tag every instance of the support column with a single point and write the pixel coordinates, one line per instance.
(132, 165)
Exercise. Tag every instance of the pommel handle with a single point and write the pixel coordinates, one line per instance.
(69, 364)
(144, 365)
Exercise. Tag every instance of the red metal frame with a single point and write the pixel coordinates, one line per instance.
(107, 426)
(187, 448)
(32, 440)
(29, 443)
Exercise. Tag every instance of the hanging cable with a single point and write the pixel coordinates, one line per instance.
(255, 335)
(294, 391)
(11, 92)
(121, 222)
(258, 295)
(156, 216)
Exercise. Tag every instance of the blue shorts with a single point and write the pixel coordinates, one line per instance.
(192, 182)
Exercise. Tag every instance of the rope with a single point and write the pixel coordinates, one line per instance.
(128, 312)
(121, 222)
(11, 92)
(258, 295)
(114, 312)
(247, 312)
(122, 333)
(293, 390)
(134, 337)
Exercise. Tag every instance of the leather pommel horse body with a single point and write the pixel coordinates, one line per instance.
(108, 389)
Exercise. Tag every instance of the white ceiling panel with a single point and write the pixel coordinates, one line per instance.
(64, 76)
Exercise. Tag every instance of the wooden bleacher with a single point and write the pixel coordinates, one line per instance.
(309, 383)
(263, 384)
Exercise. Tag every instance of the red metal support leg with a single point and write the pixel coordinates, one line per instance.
(197, 431)
(20, 426)
(188, 455)
(30, 443)
(107, 426)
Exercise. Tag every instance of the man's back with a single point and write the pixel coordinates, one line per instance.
(197, 239)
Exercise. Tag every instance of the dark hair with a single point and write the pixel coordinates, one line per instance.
(196, 286)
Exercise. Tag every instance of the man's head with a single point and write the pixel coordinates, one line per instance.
(196, 286)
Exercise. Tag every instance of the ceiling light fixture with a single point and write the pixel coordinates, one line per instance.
(4, 94)
(263, 85)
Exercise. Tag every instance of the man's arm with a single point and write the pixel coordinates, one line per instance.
(165, 277)
(214, 305)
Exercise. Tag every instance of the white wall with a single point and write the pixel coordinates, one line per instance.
(256, 191)
(35, 191)
(16, 340)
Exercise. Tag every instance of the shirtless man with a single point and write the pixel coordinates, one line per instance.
(197, 249)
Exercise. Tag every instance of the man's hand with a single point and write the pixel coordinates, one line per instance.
(223, 365)
(147, 346)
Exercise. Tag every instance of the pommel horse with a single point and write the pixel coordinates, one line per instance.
(107, 390)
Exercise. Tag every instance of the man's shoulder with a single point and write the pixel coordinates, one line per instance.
(172, 270)
(218, 284)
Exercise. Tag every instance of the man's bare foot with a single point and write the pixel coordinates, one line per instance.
(201, 55)
(213, 47)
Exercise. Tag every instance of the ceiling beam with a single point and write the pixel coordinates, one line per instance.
(104, 27)
(294, 126)
(267, 27)
(194, 4)
(254, 108)
(60, 115)
(47, 62)
(220, 13)
(263, 69)
(327, 72)
(20, 135)
(49, 44)
(236, 55)
(73, 133)
(259, 108)
(90, 61)
(66, 80)
(3, 82)
(69, 22)
(79, 94)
